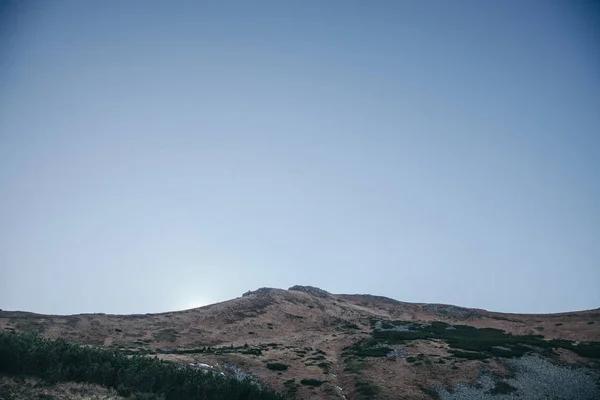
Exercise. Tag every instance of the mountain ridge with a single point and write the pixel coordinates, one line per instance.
(371, 346)
(308, 289)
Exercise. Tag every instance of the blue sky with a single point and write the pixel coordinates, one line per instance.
(162, 155)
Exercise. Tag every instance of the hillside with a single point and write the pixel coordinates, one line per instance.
(307, 343)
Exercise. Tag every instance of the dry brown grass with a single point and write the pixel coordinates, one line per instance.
(32, 389)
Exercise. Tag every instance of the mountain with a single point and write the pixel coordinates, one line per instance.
(307, 343)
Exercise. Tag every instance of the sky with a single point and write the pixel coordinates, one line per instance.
(158, 156)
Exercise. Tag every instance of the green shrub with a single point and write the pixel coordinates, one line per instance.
(60, 361)
(147, 396)
(486, 342)
(367, 348)
(354, 366)
(291, 389)
(502, 388)
(366, 389)
(589, 350)
(251, 351)
(277, 366)
(373, 352)
(311, 382)
(468, 355)
(430, 392)
(123, 391)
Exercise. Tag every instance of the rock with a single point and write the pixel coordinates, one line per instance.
(315, 291)
(261, 291)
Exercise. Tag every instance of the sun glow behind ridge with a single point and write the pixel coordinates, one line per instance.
(196, 302)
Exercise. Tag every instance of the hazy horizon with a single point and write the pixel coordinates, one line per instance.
(157, 156)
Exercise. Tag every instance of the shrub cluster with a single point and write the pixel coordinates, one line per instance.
(61, 361)
(466, 341)
(488, 342)
(311, 382)
(277, 366)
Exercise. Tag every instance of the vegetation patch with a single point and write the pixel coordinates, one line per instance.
(354, 366)
(324, 366)
(277, 366)
(476, 343)
(367, 348)
(468, 355)
(589, 350)
(292, 316)
(365, 388)
(165, 335)
(60, 361)
(73, 322)
(432, 393)
(373, 352)
(252, 351)
(29, 325)
(311, 382)
(502, 388)
(291, 388)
